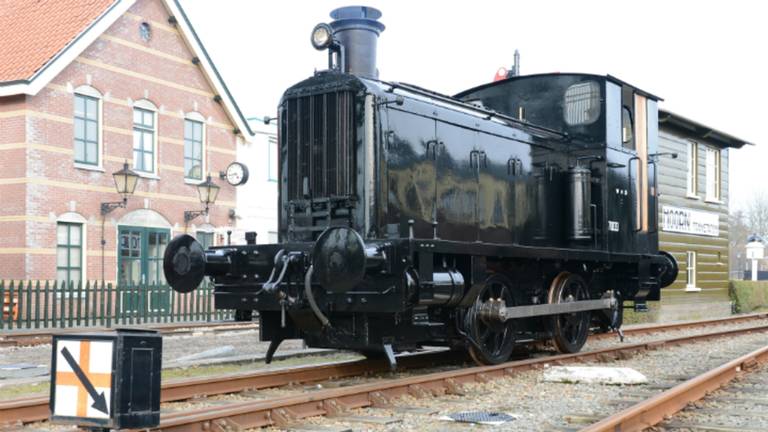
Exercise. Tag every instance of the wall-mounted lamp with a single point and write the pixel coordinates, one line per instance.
(125, 183)
(207, 192)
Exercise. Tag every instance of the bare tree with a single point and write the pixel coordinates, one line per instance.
(738, 232)
(757, 214)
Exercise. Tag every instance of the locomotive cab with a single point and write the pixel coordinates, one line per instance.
(610, 151)
(519, 210)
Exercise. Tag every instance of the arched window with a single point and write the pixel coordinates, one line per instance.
(87, 127)
(145, 137)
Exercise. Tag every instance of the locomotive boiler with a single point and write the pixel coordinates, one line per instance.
(520, 210)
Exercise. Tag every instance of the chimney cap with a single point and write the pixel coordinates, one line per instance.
(356, 12)
(357, 17)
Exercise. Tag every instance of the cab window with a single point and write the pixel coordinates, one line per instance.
(581, 104)
(627, 132)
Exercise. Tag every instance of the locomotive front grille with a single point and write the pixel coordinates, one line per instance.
(319, 136)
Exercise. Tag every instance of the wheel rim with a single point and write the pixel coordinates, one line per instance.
(494, 339)
(569, 331)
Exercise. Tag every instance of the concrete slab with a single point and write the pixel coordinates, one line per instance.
(594, 375)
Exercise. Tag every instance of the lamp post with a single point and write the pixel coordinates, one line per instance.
(125, 183)
(207, 192)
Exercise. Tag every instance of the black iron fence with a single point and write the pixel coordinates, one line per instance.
(47, 304)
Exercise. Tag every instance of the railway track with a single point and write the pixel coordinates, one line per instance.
(40, 337)
(286, 411)
(728, 410)
(35, 408)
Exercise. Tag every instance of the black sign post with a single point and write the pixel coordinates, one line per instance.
(104, 381)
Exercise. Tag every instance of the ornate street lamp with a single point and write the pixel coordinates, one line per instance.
(207, 192)
(125, 183)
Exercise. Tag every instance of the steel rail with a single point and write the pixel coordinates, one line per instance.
(286, 410)
(681, 325)
(656, 409)
(34, 409)
(16, 338)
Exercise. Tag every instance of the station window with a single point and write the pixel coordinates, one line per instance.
(69, 252)
(143, 140)
(193, 150)
(205, 238)
(693, 157)
(86, 124)
(713, 174)
(582, 103)
(690, 284)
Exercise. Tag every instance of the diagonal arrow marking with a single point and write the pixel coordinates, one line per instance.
(99, 401)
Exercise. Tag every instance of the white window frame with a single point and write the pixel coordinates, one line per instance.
(692, 171)
(73, 218)
(147, 106)
(88, 91)
(713, 174)
(197, 117)
(690, 272)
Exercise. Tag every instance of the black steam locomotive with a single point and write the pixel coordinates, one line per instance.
(525, 209)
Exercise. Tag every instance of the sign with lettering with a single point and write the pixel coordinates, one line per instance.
(689, 221)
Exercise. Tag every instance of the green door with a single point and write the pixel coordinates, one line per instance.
(140, 269)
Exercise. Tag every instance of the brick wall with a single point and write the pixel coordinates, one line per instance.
(40, 181)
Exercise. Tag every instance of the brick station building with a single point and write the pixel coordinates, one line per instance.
(84, 86)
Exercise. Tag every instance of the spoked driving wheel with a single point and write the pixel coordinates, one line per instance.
(570, 330)
(492, 337)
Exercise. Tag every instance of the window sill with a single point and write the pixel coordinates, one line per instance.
(713, 201)
(146, 175)
(689, 196)
(192, 181)
(692, 289)
(88, 167)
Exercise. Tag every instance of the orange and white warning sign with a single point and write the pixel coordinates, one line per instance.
(83, 379)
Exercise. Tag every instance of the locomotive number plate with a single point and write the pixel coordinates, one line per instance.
(613, 226)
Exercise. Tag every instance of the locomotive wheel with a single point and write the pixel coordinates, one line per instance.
(494, 339)
(569, 331)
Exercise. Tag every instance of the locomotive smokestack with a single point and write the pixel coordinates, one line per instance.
(357, 30)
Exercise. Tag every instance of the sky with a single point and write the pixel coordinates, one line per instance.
(706, 59)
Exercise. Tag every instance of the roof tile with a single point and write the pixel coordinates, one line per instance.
(34, 31)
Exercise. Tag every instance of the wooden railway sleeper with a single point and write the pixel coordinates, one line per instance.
(454, 388)
(335, 408)
(226, 425)
(378, 400)
(283, 417)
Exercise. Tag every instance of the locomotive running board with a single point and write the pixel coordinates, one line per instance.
(557, 308)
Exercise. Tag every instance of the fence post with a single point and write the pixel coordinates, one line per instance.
(37, 304)
(54, 303)
(19, 303)
(2, 299)
(63, 304)
(46, 304)
(108, 310)
(79, 301)
(101, 303)
(172, 305)
(118, 303)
